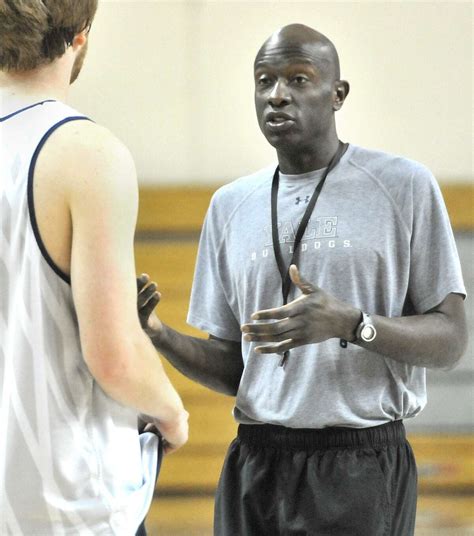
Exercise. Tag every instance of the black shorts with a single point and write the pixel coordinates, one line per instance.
(330, 482)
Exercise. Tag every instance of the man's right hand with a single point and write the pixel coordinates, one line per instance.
(174, 435)
(147, 299)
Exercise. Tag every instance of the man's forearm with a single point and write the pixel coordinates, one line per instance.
(130, 374)
(430, 340)
(214, 363)
(435, 339)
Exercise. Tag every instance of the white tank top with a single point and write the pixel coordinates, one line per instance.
(71, 460)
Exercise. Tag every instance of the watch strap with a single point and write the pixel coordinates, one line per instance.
(343, 342)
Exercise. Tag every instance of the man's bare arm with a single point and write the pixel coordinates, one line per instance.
(97, 175)
(435, 339)
(215, 363)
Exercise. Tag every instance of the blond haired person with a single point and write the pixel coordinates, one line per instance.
(76, 371)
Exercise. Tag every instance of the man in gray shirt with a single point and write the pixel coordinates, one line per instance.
(327, 286)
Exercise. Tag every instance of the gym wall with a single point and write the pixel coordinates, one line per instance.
(174, 80)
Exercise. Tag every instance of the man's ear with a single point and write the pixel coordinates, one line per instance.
(80, 39)
(341, 90)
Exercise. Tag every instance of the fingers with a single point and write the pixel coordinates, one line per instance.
(281, 335)
(277, 313)
(305, 286)
(142, 280)
(267, 331)
(147, 293)
(279, 348)
(268, 337)
(148, 296)
(150, 427)
(168, 448)
(289, 310)
(148, 308)
(280, 326)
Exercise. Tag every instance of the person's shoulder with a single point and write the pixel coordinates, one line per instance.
(85, 161)
(87, 141)
(80, 149)
(388, 167)
(377, 161)
(240, 189)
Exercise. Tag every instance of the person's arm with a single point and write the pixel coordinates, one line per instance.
(215, 363)
(100, 186)
(435, 339)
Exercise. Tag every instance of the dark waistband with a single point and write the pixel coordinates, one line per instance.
(269, 435)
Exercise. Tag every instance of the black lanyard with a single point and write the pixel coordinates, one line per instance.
(284, 271)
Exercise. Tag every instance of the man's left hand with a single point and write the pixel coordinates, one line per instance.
(148, 298)
(313, 317)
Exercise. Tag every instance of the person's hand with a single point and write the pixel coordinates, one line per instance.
(173, 435)
(313, 317)
(147, 299)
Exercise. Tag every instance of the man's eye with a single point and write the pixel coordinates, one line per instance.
(263, 81)
(300, 80)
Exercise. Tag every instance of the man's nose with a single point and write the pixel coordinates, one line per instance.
(279, 95)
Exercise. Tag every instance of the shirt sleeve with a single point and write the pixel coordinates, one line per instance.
(435, 270)
(210, 308)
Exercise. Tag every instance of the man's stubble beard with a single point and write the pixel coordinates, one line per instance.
(78, 63)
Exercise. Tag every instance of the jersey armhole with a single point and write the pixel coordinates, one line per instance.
(31, 203)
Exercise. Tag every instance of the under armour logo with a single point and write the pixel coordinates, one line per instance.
(299, 200)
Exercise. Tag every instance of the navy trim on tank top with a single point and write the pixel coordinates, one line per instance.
(31, 204)
(2, 119)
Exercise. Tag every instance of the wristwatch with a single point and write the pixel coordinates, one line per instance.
(366, 330)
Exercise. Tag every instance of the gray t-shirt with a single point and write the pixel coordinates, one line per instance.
(379, 239)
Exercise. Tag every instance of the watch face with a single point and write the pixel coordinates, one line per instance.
(368, 333)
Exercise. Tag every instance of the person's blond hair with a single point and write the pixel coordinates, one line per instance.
(36, 32)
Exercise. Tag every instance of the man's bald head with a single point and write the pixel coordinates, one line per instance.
(297, 40)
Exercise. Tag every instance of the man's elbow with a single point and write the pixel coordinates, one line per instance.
(109, 366)
(108, 372)
(230, 390)
(456, 348)
(227, 384)
(224, 386)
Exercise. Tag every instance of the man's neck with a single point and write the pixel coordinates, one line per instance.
(304, 160)
(47, 82)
